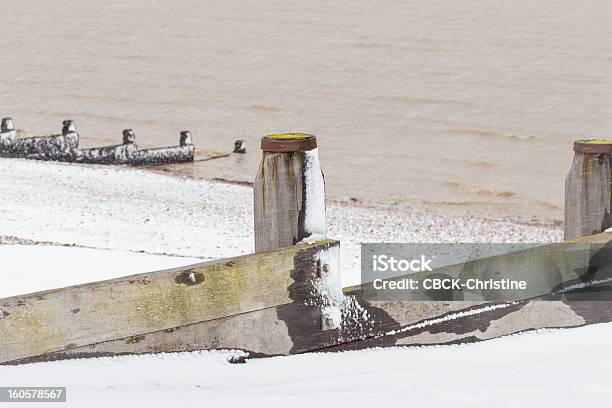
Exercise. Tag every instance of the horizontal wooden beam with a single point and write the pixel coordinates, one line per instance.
(128, 307)
(294, 326)
(544, 268)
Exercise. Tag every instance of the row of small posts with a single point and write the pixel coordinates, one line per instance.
(65, 147)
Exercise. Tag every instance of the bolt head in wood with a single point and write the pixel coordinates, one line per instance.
(288, 142)
(325, 268)
(129, 137)
(331, 318)
(597, 146)
(7, 125)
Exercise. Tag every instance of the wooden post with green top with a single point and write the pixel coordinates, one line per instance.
(588, 189)
(289, 192)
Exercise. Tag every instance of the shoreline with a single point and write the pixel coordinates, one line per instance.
(138, 210)
(544, 214)
(452, 197)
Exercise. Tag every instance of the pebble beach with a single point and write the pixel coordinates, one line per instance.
(134, 210)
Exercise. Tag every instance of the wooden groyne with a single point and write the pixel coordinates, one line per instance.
(64, 147)
(287, 297)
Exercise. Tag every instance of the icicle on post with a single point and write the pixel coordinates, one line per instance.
(289, 192)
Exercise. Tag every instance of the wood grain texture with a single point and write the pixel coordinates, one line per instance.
(263, 333)
(588, 195)
(279, 201)
(544, 268)
(131, 306)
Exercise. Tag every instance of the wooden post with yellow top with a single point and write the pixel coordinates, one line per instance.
(289, 192)
(588, 189)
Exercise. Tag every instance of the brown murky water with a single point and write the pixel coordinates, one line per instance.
(464, 106)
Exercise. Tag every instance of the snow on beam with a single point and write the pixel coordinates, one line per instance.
(55, 147)
(294, 324)
(64, 147)
(125, 153)
(293, 328)
(128, 153)
(129, 308)
(166, 155)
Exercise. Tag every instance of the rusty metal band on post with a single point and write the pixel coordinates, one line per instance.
(593, 146)
(288, 142)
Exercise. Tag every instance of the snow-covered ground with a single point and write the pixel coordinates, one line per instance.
(33, 268)
(136, 210)
(64, 224)
(548, 369)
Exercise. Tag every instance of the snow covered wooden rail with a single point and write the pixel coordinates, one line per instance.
(56, 147)
(293, 325)
(565, 270)
(64, 147)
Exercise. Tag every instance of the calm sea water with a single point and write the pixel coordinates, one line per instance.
(465, 106)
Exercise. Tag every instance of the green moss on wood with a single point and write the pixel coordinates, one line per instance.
(290, 136)
(595, 141)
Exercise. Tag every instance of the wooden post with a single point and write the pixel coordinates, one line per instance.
(588, 189)
(186, 139)
(240, 146)
(289, 192)
(7, 135)
(70, 140)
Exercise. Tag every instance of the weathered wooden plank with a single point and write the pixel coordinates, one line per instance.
(558, 266)
(128, 307)
(545, 268)
(128, 153)
(282, 330)
(267, 332)
(471, 325)
(56, 147)
(289, 196)
(295, 327)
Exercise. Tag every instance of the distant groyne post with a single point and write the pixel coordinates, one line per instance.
(588, 190)
(289, 192)
(7, 135)
(71, 137)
